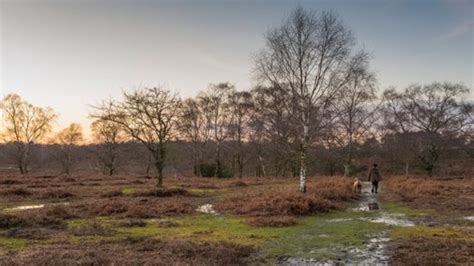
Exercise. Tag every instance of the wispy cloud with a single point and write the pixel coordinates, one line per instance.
(458, 30)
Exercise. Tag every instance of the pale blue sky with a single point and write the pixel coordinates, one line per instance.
(71, 54)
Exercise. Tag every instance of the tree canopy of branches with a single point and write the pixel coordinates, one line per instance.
(25, 125)
(436, 110)
(195, 125)
(354, 114)
(307, 56)
(240, 105)
(148, 116)
(215, 102)
(108, 135)
(67, 139)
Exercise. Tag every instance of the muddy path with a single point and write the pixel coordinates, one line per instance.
(374, 226)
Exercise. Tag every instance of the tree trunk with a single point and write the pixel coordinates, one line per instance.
(240, 162)
(303, 169)
(261, 165)
(20, 162)
(159, 168)
(160, 162)
(218, 171)
(302, 187)
(148, 166)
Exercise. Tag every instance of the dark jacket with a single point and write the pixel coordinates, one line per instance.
(374, 175)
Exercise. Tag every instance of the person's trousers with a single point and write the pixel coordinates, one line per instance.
(375, 186)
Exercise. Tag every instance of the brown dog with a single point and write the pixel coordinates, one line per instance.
(357, 186)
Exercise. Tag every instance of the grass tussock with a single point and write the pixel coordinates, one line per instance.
(162, 192)
(132, 223)
(92, 229)
(57, 194)
(23, 192)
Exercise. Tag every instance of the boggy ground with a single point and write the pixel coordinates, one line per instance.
(51, 220)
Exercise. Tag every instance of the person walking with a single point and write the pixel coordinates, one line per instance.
(375, 178)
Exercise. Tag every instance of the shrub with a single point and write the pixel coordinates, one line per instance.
(92, 229)
(162, 192)
(17, 192)
(9, 221)
(209, 170)
(10, 182)
(132, 223)
(109, 208)
(57, 194)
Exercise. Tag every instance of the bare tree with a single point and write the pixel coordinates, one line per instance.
(68, 138)
(109, 135)
(307, 56)
(240, 105)
(148, 116)
(25, 125)
(215, 102)
(436, 110)
(195, 124)
(270, 123)
(355, 109)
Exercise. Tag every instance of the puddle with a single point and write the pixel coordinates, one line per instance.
(338, 220)
(206, 208)
(26, 207)
(305, 262)
(469, 218)
(390, 219)
(32, 207)
(374, 252)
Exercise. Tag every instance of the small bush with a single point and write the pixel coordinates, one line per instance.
(17, 192)
(109, 208)
(132, 223)
(57, 194)
(163, 192)
(9, 221)
(209, 170)
(10, 182)
(239, 184)
(92, 229)
(60, 211)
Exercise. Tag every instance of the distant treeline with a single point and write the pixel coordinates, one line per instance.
(392, 155)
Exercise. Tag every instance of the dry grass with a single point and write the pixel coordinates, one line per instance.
(133, 251)
(433, 251)
(439, 194)
(323, 195)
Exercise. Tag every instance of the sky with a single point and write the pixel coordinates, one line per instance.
(72, 54)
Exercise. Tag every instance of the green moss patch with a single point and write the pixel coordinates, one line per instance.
(426, 231)
(210, 228)
(407, 211)
(13, 243)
